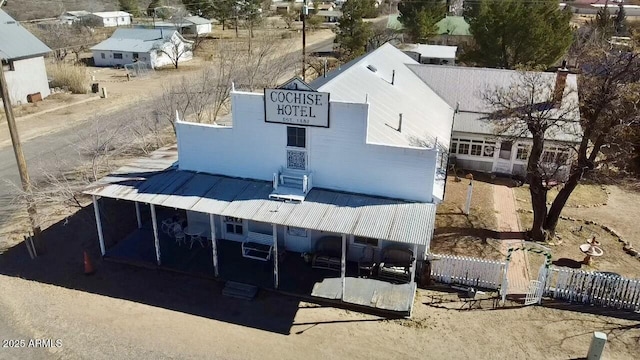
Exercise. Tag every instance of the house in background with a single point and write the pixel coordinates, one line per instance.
(474, 144)
(329, 6)
(112, 18)
(70, 17)
(431, 54)
(22, 56)
(127, 46)
(195, 25)
(452, 30)
(330, 16)
(345, 172)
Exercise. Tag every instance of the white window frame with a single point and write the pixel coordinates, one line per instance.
(235, 222)
(523, 148)
(297, 232)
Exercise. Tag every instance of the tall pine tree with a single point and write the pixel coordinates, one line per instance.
(352, 32)
(420, 18)
(509, 33)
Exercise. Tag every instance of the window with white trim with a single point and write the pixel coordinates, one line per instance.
(555, 155)
(117, 55)
(233, 225)
(296, 231)
(473, 147)
(476, 149)
(463, 148)
(522, 152)
(453, 148)
(296, 136)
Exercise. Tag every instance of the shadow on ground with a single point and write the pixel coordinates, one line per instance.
(62, 265)
(566, 262)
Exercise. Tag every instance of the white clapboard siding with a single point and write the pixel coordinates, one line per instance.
(588, 287)
(476, 272)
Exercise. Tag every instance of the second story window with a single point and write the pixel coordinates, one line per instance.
(296, 137)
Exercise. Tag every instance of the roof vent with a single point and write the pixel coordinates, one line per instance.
(372, 68)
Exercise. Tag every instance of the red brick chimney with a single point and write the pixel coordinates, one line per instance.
(561, 81)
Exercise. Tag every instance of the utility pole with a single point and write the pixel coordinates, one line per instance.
(305, 10)
(22, 164)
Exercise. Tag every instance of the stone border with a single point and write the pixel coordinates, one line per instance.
(627, 247)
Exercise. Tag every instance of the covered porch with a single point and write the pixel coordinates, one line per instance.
(220, 206)
(295, 276)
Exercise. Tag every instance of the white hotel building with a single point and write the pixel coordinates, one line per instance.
(346, 171)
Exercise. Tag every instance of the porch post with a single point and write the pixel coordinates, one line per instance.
(155, 232)
(96, 210)
(275, 256)
(343, 263)
(138, 214)
(414, 263)
(214, 246)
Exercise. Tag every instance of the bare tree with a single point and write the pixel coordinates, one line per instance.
(227, 69)
(290, 16)
(532, 107)
(58, 189)
(64, 39)
(175, 99)
(267, 63)
(320, 65)
(609, 103)
(381, 34)
(176, 48)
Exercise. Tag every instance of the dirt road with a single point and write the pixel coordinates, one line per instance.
(92, 326)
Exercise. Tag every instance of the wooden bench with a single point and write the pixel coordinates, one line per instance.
(256, 246)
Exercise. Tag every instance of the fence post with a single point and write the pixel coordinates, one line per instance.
(596, 348)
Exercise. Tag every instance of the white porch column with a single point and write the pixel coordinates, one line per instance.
(275, 256)
(138, 215)
(214, 245)
(155, 232)
(414, 263)
(343, 263)
(96, 210)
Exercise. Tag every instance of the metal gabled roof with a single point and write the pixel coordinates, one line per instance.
(322, 210)
(16, 42)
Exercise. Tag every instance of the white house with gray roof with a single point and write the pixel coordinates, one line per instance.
(187, 25)
(345, 172)
(150, 46)
(22, 56)
(474, 144)
(112, 18)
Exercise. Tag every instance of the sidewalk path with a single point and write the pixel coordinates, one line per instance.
(505, 206)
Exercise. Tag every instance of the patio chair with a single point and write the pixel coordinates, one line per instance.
(178, 234)
(396, 264)
(366, 263)
(197, 238)
(167, 226)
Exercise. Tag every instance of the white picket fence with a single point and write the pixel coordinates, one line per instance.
(593, 288)
(450, 269)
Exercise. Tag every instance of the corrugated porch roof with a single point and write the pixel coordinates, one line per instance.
(157, 181)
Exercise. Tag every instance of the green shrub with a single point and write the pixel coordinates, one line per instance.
(69, 77)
